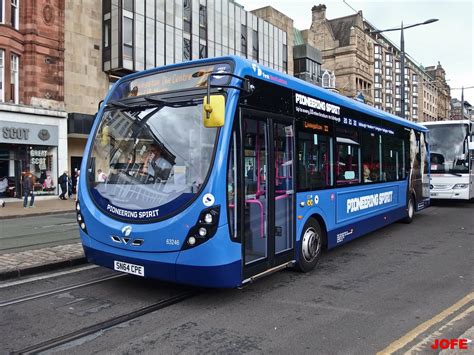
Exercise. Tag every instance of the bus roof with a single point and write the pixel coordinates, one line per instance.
(452, 122)
(310, 89)
(246, 67)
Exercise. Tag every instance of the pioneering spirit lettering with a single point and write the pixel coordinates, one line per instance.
(133, 214)
(364, 202)
(317, 104)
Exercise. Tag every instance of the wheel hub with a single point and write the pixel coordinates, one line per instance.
(311, 244)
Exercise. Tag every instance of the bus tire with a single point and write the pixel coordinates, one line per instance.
(311, 245)
(410, 210)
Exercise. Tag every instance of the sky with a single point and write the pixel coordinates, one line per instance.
(449, 41)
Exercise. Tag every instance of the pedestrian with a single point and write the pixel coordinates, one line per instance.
(63, 183)
(28, 190)
(69, 185)
(77, 185)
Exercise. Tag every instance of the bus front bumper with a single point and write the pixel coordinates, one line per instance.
(165, 266)
(451, 194)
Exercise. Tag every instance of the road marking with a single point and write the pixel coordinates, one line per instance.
(410, 336)
(439, 332)
(37, 278)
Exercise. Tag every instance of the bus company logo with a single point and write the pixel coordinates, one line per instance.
(450, 344)
(126, 231)
(260, 73)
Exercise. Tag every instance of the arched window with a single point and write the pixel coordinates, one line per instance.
(326, 79)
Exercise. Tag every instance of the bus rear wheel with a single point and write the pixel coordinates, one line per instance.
(410, 210)
(311, 244)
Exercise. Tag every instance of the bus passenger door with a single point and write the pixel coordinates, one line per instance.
(267, 198)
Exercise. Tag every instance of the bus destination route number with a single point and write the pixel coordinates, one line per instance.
(129, 268)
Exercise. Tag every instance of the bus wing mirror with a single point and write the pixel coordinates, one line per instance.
(213, 111)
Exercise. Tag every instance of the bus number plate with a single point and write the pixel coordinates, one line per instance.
(129, 268)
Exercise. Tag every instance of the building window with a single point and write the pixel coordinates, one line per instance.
(243, 40)
(377, 94)
(202, 51)
(255, 45)
(397, 78)
(202, 21)
(415, 89)
(414, 77)
(378, 64)
(378, 79)
(128, 36)
(397, 65)
(1, 11)
(285, 58)
(388, 57)
(186, 49)
(15, 14)
(378, 49)
(388, 71)
(397, 103)
(187, 15)
(326, 79)
(107, 33)
(397, 90)
(15, 79)
(128, 5)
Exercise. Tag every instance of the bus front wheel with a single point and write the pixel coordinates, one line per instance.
(310, 245)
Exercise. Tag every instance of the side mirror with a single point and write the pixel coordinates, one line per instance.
(470, 144)
(213, 111)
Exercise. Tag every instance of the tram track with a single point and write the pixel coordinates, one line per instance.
(56, 291)
(104, 325)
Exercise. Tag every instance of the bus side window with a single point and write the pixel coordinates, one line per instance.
(314, 161)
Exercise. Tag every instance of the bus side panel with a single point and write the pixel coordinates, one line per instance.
(354, 211)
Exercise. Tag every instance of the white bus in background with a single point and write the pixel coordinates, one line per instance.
(452, 159)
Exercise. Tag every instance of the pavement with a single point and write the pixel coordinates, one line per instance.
(36, 258)
(43, 206)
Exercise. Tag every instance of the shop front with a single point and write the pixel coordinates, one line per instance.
(29, 148)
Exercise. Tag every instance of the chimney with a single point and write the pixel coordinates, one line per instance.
(319, 12)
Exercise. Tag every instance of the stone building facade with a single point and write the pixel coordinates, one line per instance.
(346, 50)
(31, 52)
(32, 118)
(438, 78)
(85, 84)
(368, 64)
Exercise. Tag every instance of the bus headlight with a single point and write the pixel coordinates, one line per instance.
(204, 229)
(80, 218)
(208, 218)
(460, 186)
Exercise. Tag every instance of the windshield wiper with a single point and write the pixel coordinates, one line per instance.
(453, 173)
(152, 102)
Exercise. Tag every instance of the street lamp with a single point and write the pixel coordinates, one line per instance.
(402, 54)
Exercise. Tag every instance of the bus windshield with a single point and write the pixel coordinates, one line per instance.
(149, 161)
(449, 152)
